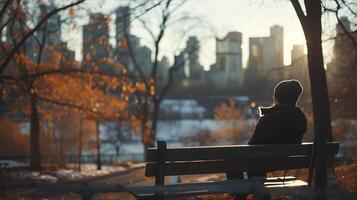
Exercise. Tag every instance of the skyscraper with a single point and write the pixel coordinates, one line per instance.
(266, 60)
(195, 69)
(123, 37)
(229, 58)
(255, 61)
(298, 67)
(122, 23)
(163, 68)
(122, 31)
(96, 47)
(277, 32)
(52, 26)
(142, 55)
(266, 54)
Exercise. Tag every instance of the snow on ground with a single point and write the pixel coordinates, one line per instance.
(11, 163)
(87, 171)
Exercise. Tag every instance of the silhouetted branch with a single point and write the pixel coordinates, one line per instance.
(299, 11)
(64, 72)
(18, 45)
(3, 9)
(340, 23)
(78, 107)
(172, 71)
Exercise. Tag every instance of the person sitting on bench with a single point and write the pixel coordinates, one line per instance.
(282, 123)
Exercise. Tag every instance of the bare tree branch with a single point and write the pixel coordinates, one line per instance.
(18, 45)
(299, 11)
(3, 9)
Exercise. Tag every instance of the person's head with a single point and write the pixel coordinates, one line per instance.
(287, 92)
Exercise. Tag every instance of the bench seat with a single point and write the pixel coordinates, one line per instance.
(163, 161)
(217, 187)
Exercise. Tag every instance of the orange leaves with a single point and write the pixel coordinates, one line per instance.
(227, 111)
(152, 87)
(135, 123)
(123, 43)
(22, 58)
(88, 56)
(56, 57)
(81, 91)
(128, 87)
(140, 86)
(131, 88)
(152, 90)
(71, 11)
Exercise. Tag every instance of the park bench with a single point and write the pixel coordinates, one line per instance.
(163, 161)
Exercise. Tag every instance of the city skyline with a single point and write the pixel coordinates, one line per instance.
(233, 18)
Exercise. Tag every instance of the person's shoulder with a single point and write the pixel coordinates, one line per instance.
(300, 110)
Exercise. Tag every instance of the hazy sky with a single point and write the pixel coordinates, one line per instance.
(217, 17)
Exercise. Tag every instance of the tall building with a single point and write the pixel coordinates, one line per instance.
(265, 63)
(163, 68)
(68, 56)
(122, 30)
(122, 35)
(142, 55)
(277, 32)
(96, 47)
(53, 26)
(266, 54)
(298, 67)
(229, 58)
(194, 69)
(181, 62)
(122, 23)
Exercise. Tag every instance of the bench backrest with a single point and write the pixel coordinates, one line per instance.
(164, 161)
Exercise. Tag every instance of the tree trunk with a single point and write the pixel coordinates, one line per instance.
(311, 24)
(35, 136)
(99, 162)
(61, 148)
(117, 143)
(80, 145)
(155, 118)
(147, 134)
(319, 92)
(320, 102)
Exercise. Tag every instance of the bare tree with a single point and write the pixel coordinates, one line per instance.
(310, 19)
(151, 99)
(8, 14)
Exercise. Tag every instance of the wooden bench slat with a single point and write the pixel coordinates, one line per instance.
(236, 152)
(182, 189)
(189, 189)
(220, 166)
(232, 158)
(285, 184)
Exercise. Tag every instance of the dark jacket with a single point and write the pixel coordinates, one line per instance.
(280, 124)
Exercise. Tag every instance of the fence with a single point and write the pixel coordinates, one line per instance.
(72, 159)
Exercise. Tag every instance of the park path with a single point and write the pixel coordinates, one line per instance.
(136, 177)
(130, 177)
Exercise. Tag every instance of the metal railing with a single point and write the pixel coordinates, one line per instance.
(72, 159)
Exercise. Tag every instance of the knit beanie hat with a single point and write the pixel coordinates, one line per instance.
(288, 91)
